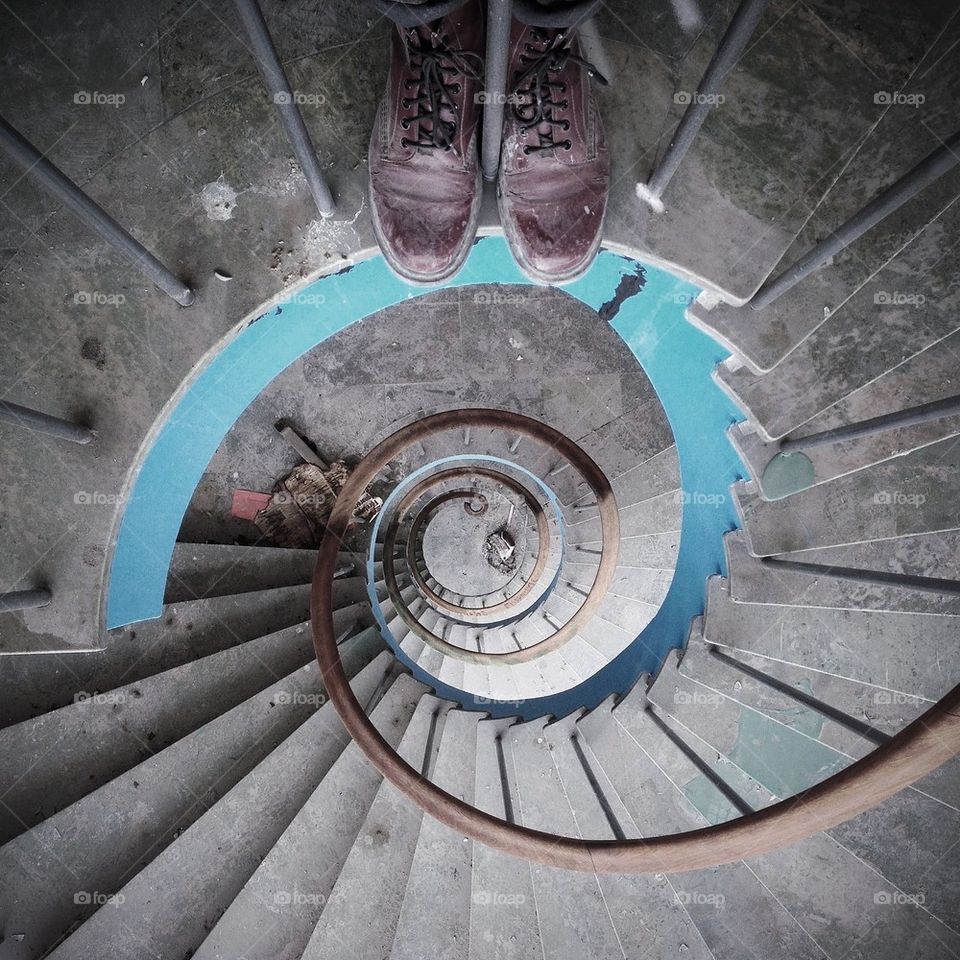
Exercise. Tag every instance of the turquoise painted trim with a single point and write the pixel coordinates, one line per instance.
(678, 358)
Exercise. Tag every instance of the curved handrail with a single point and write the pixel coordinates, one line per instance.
(543, 538)
(914, 752)
(388, 449)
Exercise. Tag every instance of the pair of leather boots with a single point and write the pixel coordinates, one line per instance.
(425, 180)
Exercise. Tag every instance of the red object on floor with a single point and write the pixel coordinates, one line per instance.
(248, 503)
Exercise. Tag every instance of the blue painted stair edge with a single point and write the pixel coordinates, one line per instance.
(644, 304)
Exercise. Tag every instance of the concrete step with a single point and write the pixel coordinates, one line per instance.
(30, 686)
(439, 883)
(925, 377)
(819, 465)
(748, 741)
(745, 737)
(897, 653)
(847, 908)
(911, 495)
(188, 886)
(903, 309)
(599, 813)
(656, 515)
(199, 570)
(643, 481)
(74, 750)
(130, 820)
(899, 137)
(629, 615)
(648, 585)
(657, 550)
(910, 840)
(640, 435)
(664, 792)
(504, 686)
(297, 875)
(380, 858)
(848, 718)
(504, 922)
(931, 555)
(574, 921)
(750, 581)
(788, 173)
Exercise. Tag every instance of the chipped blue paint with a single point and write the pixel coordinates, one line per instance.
(678, 359)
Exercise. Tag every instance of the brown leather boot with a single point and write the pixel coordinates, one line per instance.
(424, 171)
(554, 169)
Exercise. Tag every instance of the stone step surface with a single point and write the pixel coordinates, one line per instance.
(36, 684)
(72, 751)
(439, 885)
(750, 581)
(51, 883)
(199, 570)
(187, 887)
(902, 134)
(898, 653)
(380, 859)
(911, 495)
(664, 792)
(504, 922)
(297, 875)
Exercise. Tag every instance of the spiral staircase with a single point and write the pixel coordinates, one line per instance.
(651, 649)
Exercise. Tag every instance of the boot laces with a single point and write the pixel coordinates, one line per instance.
(435, 69)
(537, 87)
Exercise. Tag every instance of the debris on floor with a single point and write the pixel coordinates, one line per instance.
(301, 503)
(248, 503)
(295, 514)
(500, 551)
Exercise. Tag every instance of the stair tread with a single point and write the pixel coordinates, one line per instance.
(44, 866)
(200, 570)
(302, 866)
(73, 750)
(439, 883)
(751, 581)
(902, 652)
(379, 859)
(911, 495)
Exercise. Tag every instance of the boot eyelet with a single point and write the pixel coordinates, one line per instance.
(526, 151)
(405, 102)
(404, 142)
(455, 88)
(566, 125)
(567, 144)
(405, 124)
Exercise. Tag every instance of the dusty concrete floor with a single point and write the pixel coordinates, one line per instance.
(530, 350)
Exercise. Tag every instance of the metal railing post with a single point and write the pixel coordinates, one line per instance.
(726, 57)
(880, 578)
(931, 168)
(44, 423)
(911, 417)
(56, 183)
(24, 599)
(499, 16)
(275, 80)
